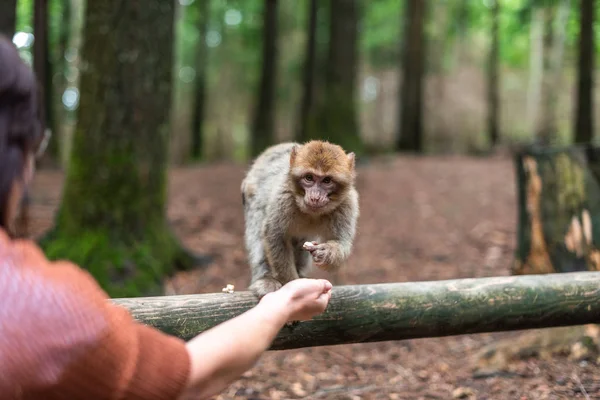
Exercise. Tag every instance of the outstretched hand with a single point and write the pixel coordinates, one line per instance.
(303, 298)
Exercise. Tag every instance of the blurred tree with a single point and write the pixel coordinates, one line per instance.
(410, 135)
(584, 113)
(58, 81)
(335, 115)
(112, 216)
(493, 78)
(308, 72)
(555, 16)
(263, 124)
(41, 60)
(8, 17)
(462, 19)
(536, 66)
(203, 7)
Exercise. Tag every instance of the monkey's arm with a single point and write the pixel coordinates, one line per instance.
(331, 254)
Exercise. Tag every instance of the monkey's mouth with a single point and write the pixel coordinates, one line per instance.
(315, 207)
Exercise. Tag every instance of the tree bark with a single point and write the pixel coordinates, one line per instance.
(584, 113)
(8, 18)
(263, 127)
(308, 73)
(558, 193)
(493, 78)
(112, 216)
(410, 135)
(397, 311)
(200, 82)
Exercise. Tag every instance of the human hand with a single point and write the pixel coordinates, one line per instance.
(302, 298)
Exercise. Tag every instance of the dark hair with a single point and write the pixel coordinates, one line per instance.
(20, 128)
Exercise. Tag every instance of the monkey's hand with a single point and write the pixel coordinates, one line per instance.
(324, 254)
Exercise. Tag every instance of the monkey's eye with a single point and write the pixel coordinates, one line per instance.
(308, 177)
(327, 180)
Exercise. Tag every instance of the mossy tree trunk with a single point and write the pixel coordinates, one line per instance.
(263, 126)
(112, 217)
(559, 210)
(8, 18)
(410, 135)
(336, 116)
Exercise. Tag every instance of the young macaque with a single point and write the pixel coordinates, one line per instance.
(300, 203)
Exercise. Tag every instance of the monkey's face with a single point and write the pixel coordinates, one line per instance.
(321, 174)
(317, 191)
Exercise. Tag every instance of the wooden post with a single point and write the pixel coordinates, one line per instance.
(397, 311)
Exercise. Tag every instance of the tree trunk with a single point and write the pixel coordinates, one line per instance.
(396, 311)
(493, 78)
(264, 117)
(536, 67)
(555, 20)
(200, 83)
(112, 217)
(584, 113)
(41, 60)
(410, 135)
(8, 18)
(61, 66)
(547, 131)
(308, 73)
(462, 20)
(557, 55)
(336, 119)
(559, 218)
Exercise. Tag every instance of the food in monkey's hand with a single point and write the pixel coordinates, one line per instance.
(308, 245)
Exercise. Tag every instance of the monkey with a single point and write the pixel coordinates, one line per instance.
(300, 209)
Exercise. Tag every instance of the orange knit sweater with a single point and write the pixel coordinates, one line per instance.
(61, 338)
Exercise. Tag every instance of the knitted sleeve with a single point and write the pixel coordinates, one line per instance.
(61, 337)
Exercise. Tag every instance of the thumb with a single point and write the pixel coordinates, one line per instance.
(327, 286)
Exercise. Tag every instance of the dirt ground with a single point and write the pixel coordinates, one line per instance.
(421, 219)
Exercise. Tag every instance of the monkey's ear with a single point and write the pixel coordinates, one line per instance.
(351, 160)
(293, 154)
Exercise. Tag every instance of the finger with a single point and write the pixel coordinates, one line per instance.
(327, 285)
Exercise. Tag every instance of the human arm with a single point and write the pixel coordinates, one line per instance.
(63, 338)
(222, 354)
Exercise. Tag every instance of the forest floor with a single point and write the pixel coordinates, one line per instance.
(422, 219)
